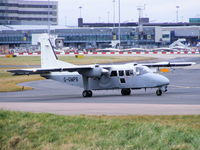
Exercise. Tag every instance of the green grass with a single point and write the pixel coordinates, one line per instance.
(103, 59)
(9, 83)
(20, 60)
(46, 131)
(35, 60)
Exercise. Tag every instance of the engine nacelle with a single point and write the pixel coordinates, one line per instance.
(96, 72)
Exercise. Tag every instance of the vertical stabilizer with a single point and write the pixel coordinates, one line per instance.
(48, 56)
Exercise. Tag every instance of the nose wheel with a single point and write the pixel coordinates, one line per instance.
(158, 92)
(161, 90)
(87, 93)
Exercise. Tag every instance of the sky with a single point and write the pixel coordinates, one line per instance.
(94, 11)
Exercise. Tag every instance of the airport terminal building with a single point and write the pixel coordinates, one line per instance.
(101, 37)
(25, 12)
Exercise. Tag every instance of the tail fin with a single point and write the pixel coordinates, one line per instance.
(48, 56)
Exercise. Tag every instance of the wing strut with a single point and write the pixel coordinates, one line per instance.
(85, 82)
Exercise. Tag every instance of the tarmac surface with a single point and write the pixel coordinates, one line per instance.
(182, 97)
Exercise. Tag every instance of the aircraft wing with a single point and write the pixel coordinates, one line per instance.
(169, 64)
(80, 69)
(47, 70)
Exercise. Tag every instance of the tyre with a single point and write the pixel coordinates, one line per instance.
(87, 93)
(126, 91)
(159, 92)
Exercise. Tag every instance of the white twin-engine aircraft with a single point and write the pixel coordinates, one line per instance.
(99, 77)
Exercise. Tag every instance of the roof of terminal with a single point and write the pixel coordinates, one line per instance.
(29, 27)
(45, 27)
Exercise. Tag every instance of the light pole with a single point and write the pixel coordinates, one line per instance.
(139, 12)
(177, 17)
(80, 11)
(108, 16)
(48, 18)
(113, 13)
(119, 31)
(65, 20)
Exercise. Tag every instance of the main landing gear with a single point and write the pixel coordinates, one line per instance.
(125, 92)
(87, 93)
(161, 90)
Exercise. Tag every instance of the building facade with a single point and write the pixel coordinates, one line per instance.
(79, 37)
(101, 37)
(194, 20)
(23, 12)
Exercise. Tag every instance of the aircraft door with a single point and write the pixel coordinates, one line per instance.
(122, 79)
(129, 75)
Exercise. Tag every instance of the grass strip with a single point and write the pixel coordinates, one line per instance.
(35, 60)
(8, 83)
(103, 59)
(20, 130)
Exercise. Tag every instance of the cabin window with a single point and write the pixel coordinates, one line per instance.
(113, 73)
(121, 72)
(127, 72)
(131, 73)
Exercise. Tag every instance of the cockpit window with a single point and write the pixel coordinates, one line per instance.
(129, 72)
(142, 70)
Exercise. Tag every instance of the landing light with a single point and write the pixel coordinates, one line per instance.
(164, 70)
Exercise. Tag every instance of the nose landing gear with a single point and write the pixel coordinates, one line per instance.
(161, 90)
(158, 92)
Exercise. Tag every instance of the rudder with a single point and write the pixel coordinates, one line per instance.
(48, 56)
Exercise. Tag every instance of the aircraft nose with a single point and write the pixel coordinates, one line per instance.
(162, 80)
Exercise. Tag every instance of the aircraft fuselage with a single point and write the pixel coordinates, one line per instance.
(118, 78)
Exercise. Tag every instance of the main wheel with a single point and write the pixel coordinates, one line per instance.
(87, 93)
(126, 91)
(159, 92)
